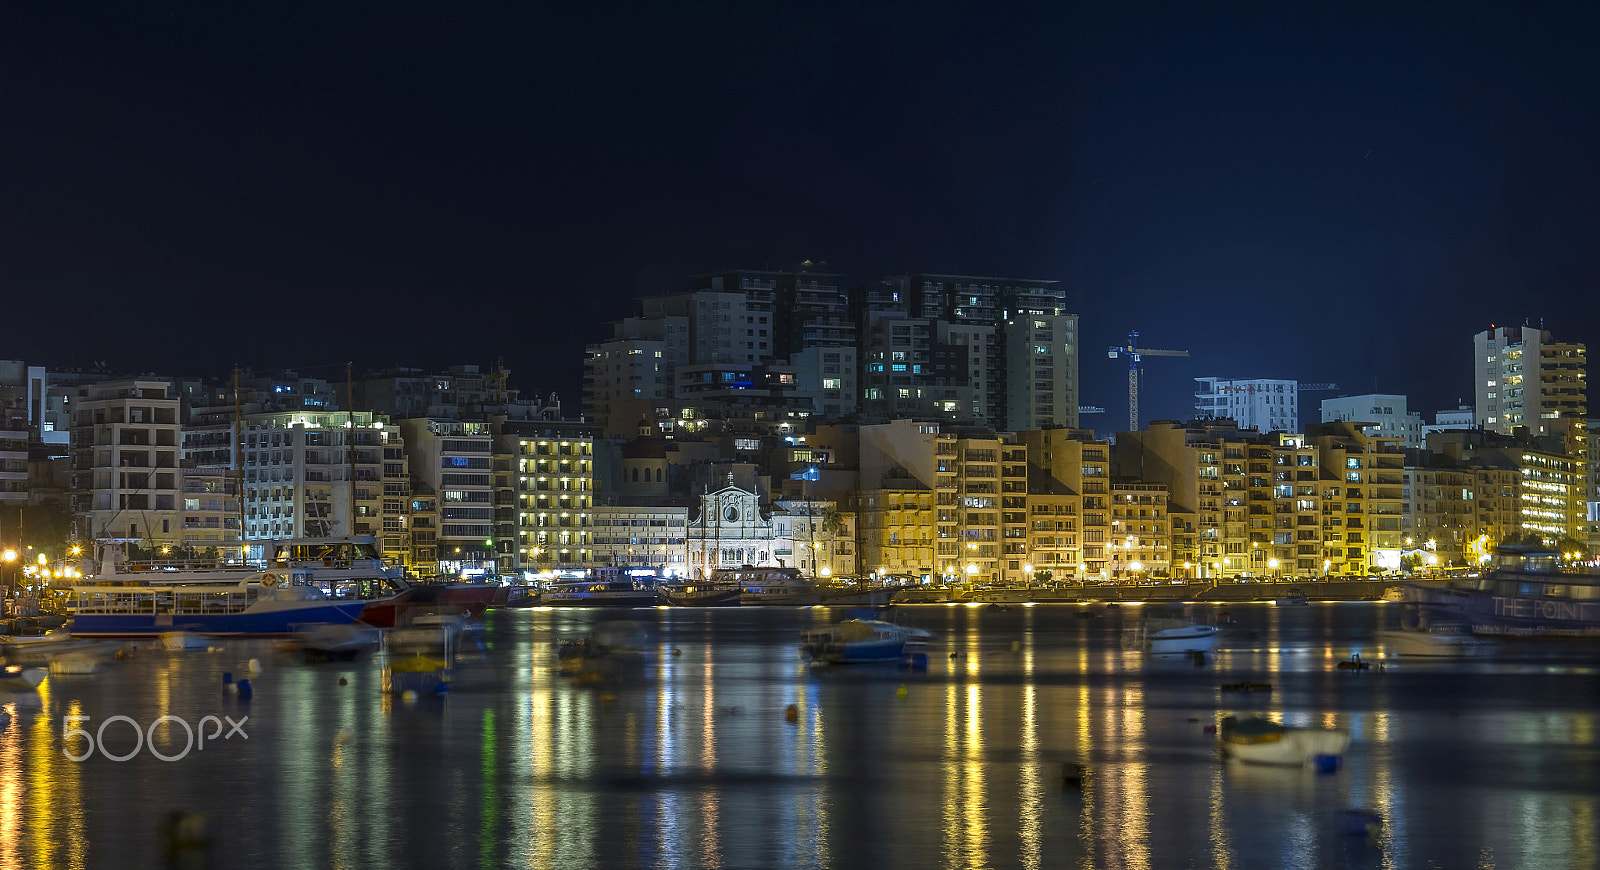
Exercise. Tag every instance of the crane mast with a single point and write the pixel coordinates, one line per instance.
(1135, 353)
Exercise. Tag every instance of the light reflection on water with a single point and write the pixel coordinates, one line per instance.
(685, 760)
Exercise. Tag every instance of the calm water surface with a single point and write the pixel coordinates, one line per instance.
(685, 759)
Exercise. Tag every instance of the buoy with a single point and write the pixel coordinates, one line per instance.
(1209, 729)
(233, 688)
(900, 692)
(1326, 763)
(791, 713)
(255, 666)
(243, 688)
(227, 677)
(343, 681)
(955, 655)
(409, 695)
(676, 651)
(1016, 645)
(1073, 775)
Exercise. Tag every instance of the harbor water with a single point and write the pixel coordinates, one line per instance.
(687, 756)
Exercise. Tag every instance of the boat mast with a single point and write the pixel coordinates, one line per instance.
(238, 458)
(350, 403)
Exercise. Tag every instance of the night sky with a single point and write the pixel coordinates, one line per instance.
(1333, 192)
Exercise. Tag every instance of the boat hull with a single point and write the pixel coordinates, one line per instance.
(1191, 639)
(639, 598)
(1294, 747)
(475, 598)
(1485, 613)
(782, 599)
(714, 598)
(1424, 644)
(260, 623)
(385, 612)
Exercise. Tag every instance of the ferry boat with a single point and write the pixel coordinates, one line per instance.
(1525, 595)
(762, 586)
(254, 607)
(347, 569)
(607, 587)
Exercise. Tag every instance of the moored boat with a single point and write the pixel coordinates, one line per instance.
(1526, 594)
(251, 609)
(701, 594)
(20, 679)
(763, 586)
(1172, 637)
(1294, 598)
(184, 640)
(605, 588)
(1262, 741)
(860, 641)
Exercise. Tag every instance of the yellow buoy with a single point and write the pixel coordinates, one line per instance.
(791, 713)
(901, 692)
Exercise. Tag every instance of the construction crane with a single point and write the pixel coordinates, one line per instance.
(1134, 353)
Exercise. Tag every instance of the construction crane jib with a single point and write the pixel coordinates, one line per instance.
(1134, 353)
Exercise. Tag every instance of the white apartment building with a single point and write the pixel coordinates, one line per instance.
(1386, 412)
(1263, 404)
(301, 479)
(1523, 377)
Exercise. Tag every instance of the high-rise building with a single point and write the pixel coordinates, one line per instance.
(1385, 414)
(1263, 404)
(1524, 377)
(125, 460)
(452, 462)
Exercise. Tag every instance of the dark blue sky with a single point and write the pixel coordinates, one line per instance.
(1335, 193)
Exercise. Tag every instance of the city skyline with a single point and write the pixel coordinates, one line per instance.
(1380, 172)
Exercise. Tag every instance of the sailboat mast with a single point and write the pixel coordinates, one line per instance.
(238, 458)
(350, 403)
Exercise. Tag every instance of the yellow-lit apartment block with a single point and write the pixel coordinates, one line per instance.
(1249, 504)
(1081, 514)
(1363, 480)
(555, 500)
(1140, 545)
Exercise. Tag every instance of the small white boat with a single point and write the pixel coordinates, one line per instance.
(25, 641)
(1435, 644)
(1262, 741)
(184, 640)
(20, 679)
(1172, 637)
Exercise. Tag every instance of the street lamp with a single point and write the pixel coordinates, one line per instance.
(8, 556)
(1272, 565)
(1027, 571)
(972, 573)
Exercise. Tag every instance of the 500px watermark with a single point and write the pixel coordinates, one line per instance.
(194, 737)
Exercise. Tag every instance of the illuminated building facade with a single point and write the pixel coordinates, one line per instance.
(1523, 377)
(554, 497)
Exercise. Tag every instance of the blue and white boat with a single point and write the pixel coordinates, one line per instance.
(859, 641)
(249, 608)
(1527, 594)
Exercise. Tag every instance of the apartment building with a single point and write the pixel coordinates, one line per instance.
(554, 499)
(1263, 404)
(1385, 414)
(1363, 491)
(210, 486)
(1524, 377)
(452, 461)
(126, 475)
(1082, 465)
(303, 478)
